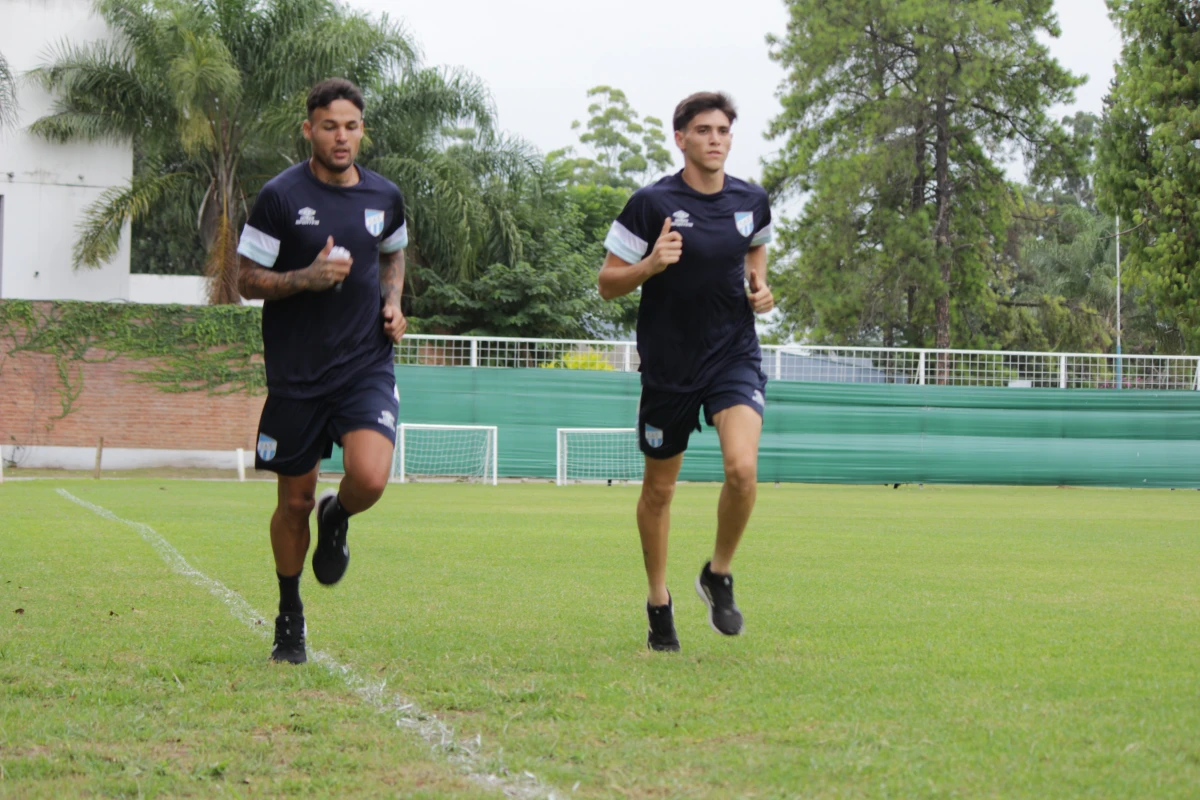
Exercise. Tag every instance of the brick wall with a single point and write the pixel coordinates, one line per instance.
(110, 404)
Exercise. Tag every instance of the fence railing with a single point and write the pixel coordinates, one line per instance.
(832, 364)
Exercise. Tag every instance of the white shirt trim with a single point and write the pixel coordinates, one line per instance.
(624, 244)
(397, 241)
(258, 246)
(766, 234)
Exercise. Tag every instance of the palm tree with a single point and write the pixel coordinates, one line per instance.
(211, 94)
(8, 95)
(432, 133)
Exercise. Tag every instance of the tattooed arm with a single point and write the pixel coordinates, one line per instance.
(259, 283)
(391, 288)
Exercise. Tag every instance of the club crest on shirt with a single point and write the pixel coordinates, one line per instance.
(374, 219)
(745, 222)
(654, 436)
(266, 447)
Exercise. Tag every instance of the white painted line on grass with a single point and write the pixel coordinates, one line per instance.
(465, 755)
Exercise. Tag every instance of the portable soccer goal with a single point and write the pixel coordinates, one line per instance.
(446, 453)
(599, 455)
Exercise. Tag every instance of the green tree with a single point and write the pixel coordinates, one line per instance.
(432, 133)
(542, 282)
(1148, 152)
(211, 94)
(8, 95)
(627, 150)
(897, 117)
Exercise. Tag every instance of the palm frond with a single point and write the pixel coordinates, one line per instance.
(206, 85)
(8, 95)
(100, 92)
(300, 42)
(420, 104)
(100, 228)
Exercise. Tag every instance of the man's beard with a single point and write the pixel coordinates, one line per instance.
(336, 168)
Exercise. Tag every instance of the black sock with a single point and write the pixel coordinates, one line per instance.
(337, 512)
(289, 594)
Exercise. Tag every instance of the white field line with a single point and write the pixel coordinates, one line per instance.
(466, 755)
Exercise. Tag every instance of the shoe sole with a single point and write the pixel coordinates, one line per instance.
(704, 596)
(326, 495)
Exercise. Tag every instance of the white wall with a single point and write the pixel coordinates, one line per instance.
(45, 187)
(188, 290)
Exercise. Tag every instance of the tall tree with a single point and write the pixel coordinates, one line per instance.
(627, 150)
(211, 94)
(898, 115)
(1149, 149)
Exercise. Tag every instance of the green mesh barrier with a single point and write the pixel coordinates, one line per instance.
(845, 433)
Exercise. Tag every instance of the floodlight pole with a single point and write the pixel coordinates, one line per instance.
(1119, 382)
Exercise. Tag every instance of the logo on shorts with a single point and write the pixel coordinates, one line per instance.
(387, 420)
(266, 447)
(745, 222)
(758, 398)
(307, 216)
(374, 220)
(654, 436)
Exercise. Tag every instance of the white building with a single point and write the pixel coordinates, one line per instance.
(45, 187)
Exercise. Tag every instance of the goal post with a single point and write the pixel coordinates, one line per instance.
(598, 454)
(446, 453)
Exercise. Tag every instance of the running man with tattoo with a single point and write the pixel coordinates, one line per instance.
(324, 247)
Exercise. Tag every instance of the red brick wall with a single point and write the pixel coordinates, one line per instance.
(110, 404)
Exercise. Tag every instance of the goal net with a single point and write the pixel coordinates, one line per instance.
(598, 454)
(446, 453)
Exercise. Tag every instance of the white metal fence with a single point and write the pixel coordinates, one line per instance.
(832, 364)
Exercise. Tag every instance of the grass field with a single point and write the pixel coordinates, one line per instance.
(937, 642)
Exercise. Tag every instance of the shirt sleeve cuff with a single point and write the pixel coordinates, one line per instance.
(258, 246)
(397, 241)
(624, 244)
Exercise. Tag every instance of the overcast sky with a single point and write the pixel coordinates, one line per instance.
(539, 57)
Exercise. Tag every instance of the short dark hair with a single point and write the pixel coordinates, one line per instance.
(700, 102)
(332, 89)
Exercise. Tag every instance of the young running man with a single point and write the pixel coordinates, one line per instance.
(324, 247)
(691, 241)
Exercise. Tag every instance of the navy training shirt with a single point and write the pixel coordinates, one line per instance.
(694, 319)
(316, 342)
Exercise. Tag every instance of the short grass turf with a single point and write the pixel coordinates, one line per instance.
(936, 642)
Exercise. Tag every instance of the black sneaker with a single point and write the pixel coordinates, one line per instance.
(661, 636)
(289, 639)
(717, 593)
(332, 554)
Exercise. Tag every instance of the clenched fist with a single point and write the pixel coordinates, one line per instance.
(667, 250)
(760, 297)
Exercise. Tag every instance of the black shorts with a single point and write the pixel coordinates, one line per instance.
(294, 435)
(666, 419)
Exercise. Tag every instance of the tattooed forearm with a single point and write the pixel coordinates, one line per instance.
(259, 283)
(391, 276)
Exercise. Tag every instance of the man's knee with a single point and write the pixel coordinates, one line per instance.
(741, 474)
(298, 504)
(370, 483)
(657, 495)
